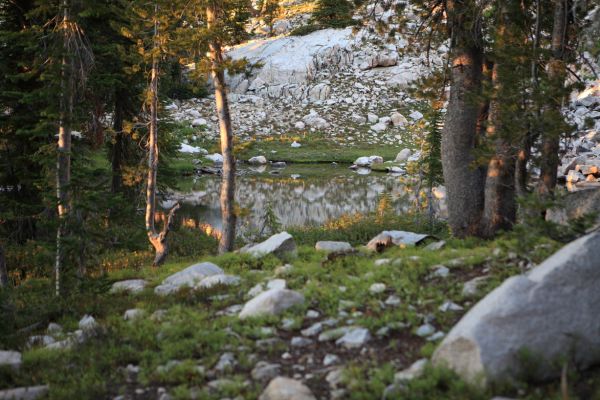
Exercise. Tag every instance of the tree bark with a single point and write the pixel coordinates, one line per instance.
(117, 153)
(227, 199)
(500, 204)
(556, 74)
(500, 211)
(464, 180)
(63, 162)
(3, 270)
(157, 239)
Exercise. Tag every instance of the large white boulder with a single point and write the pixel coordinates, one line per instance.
(551, 313)
(271, 302)
(282, 388)
(258, 160)
(279, 245)
(403, 156)
(189, 277)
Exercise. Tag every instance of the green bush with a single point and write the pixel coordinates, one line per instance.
(306, 30)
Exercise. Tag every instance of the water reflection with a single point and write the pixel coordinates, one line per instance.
(312, 196)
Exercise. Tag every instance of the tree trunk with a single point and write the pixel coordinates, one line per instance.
(464, 180)
(500, 211)
(556, 74)
(227, 199)
(157, 239)
(117, 154)
(500, 205)
(63, 163)
(3, 270)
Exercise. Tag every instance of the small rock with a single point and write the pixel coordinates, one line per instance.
(414, 371)
(312, 314)
(333, 247)
(284, 269)
(282, 388)
(11, 359)
(435, 245)
(218, 280)
(133, 313)
(258, 160)
(313, 330)
(271, 302)
(403, 156)
(276, 284)
(330, 359)
(54, 328)
(377, 288)
(24, 393)
(450, 306)
(298, 341)
(393, 301)
(382, 261)
(129, 286)
(335, 378)
(440, 271)
(280, 244)
(354, 338)
(87, 323)
(264, 371)
(296, 145)
(226, 362)
(425, 330)
(471, 288)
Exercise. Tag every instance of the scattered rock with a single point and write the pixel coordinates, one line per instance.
(226, 362)
(389, 238)
(552, 312)
(334, 247)
(133, 314)
(450, 306)
(282, 388)
(435, 245)
(11, 359)
(271, 302)
(87, 323)
(312, 330)
(414, 371)
(471, 288)
(399, 120)
(24, 393)
(441, 271)
(188, 277)
(264, 371)
(425, 330)
(403, 156)
(298, 341)
(280, 244)
(259, 160)
(129, 286)
(216, 158)
(218, 280)
(377, 288)
(354, 338)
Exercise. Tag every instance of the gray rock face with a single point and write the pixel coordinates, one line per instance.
(576, 205)
(282, 388)
(188, 277)
(271, 302)
(129, 286)
(552, 313)
(279, 245)
(333, 247)
(10, 359)
(24, 393)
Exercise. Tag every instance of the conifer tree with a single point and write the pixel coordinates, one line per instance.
(333, 13)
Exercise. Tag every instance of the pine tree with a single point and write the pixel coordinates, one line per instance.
(333, 13)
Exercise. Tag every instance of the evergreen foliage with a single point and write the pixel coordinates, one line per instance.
(333, 13)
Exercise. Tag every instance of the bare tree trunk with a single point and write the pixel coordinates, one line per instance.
(500, 211)
(3, 270)
(464, 180)
(63, 162)
(117, 154)
(157, 239)
(228, 184)
(524, 154)
(500, 204)
(556, 74)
